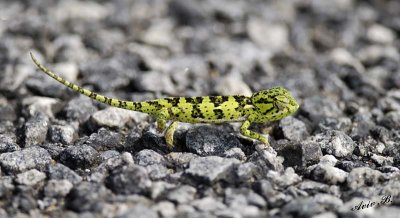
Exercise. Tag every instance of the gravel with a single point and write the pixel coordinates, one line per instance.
(65, 155)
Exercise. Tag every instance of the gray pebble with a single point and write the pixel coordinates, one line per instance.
(79, 109)
(104, 139)
(109, 154)
(318, 107)
(148, 157)
(285, 179)
(62, 134)
(311, 153)
(335, 142)
(391, 120)
(140, 211)
(31, 177)
(181, 195)
(207, 204)
(165, 209)
(6, 186)
(363, 176)
(327, 174)
(157, 171)
(278, 34)
(35, 130)
(380, 34)
(303, 207)
(8, 144)
(237, 197)
(293, 129)
(87, 196)
(112, 117)
(235, 153)
(81, 156)
(332, 123)
(211, 169)
(57, 188)
(61, 172)
(273, 197)
(26, 159)
(207, 140)
(131, 179)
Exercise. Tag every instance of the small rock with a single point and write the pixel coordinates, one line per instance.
(26, 159)
(335, 142)
(109, 154)
(79, 109)
(77, 10)
(62, 134)
(311, 153)
(165, 209)
(158, 188)
(159, 33)
(149, 157)
(382, 161)
(6, 186)
(61, 172)
(273, 36)
(112, 117)
(8, 144)
(181, 195)
(35, 130)
(208, 204)
(328, 160)
(391, 120)
(207, 140)
(237, 197)
(57, 188)
(131, 179)
(293, 129)
(380, 34)
(30, 177)
(272, 196)
(157, 171)
(246, 171)
(156, 82)
(284, 180)
(363, 176)
(43, 105)
(87, 196)
(333, 123)
(140, 211)
(327, 174)
(211, 169)
(318, 107)
(235, 153)
(81, 156)
(302, 207)
(104, 140)
(180, 159)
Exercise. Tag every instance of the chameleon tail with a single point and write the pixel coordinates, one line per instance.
(130, 105)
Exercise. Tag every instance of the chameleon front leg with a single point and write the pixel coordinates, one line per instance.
(244, 129)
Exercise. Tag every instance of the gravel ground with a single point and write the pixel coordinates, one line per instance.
(64, 155)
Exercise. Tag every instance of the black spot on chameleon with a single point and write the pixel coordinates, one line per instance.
(196, 112)
(219, 114)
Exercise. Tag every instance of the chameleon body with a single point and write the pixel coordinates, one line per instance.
(263, 106)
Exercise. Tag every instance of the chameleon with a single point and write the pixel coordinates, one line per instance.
(263, 106)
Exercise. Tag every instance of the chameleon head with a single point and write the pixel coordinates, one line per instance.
(275, 103)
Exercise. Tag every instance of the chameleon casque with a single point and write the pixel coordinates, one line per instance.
(263, 106)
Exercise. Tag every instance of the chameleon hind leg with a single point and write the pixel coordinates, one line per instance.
(162, 118)
(169, 134)
(244, 129)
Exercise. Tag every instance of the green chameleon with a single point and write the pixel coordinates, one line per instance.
(263, 106)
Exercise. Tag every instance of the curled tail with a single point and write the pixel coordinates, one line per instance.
(130, 105)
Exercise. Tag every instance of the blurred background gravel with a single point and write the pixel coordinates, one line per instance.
(64, 155)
